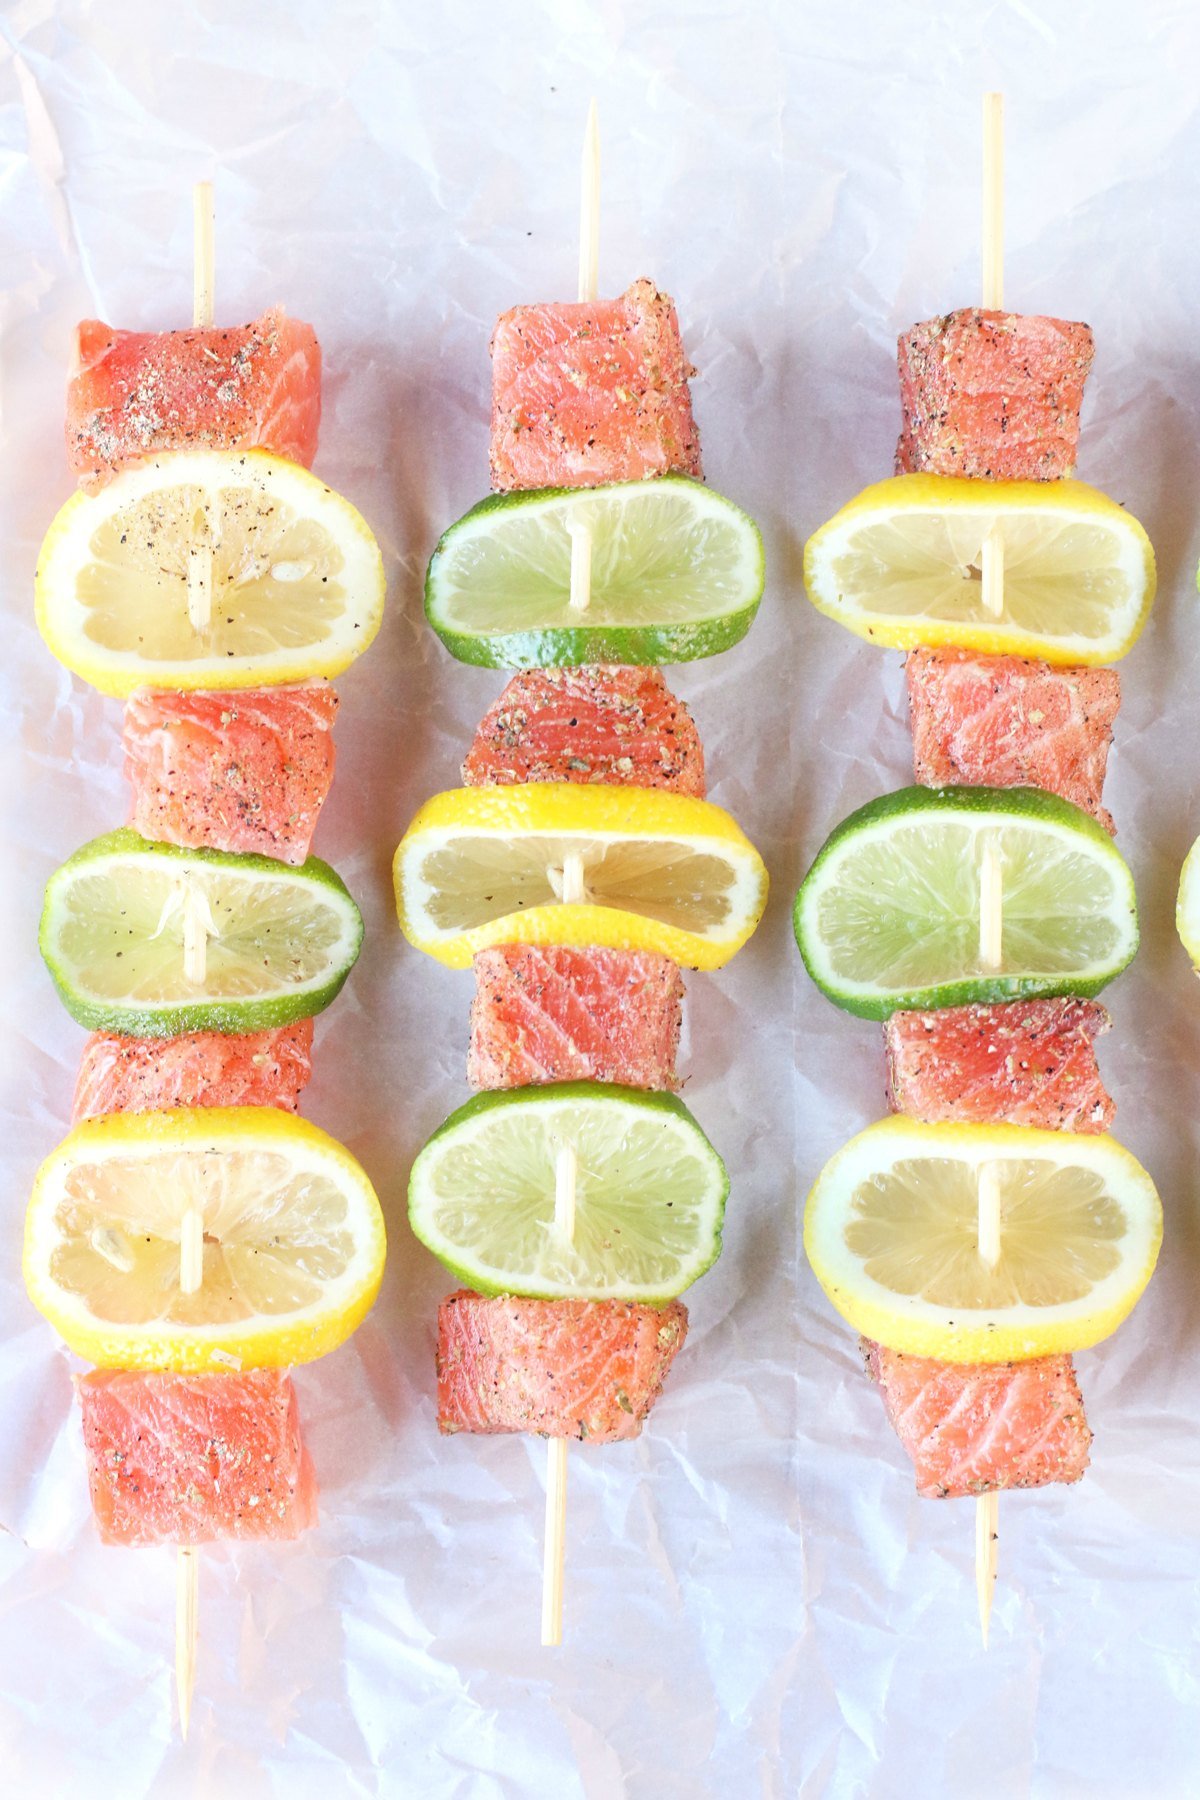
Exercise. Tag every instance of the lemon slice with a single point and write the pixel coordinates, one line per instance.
(620, 868)
(1187, 909)
(293, 1240)
(902, 565)
(208, 569)
(892, 1230)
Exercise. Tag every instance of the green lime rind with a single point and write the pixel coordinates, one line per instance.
(327, 930)
(1053, 821)
(649, 1208)
(497, 590)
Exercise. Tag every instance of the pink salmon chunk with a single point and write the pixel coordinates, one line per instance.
(138, 394)
(1027, 1062)
(971, 1428)
(560, 1014)
(589, 1369)
(245, 771)
(1005, 721)
(604, 724)
(188, 1459)
(992, 395)
(200, 1068)
(585, 392)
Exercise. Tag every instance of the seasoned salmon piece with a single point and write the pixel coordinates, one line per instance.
(243, 771)
(601, 724)
(1007, 721)
(201, 1068)
(591, 391)
(187, 1459)
(1029, 1062)
(587, 1369)
(992, 395)
(974, 1427)
(561, 1014)
(136, 394)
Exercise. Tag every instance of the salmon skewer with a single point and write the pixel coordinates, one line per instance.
(192, 1458)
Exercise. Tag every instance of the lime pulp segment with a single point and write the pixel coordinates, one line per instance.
(677, 573)
(889, 915)
(647, 1194)
(154, 940)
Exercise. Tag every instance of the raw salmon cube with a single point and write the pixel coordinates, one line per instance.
(561, 1014)
(187, 1459)
(974, 1427)
(242, 771)
(201, 1068)
(992, 395)
(601, 724)
(1029, 1062)
(591, 391)
(588, 1369)
(1006, 721)
(136, 394)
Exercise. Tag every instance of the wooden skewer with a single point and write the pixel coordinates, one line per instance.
(991, 956)
(187, 1557)
(991, 885)
(573, 893)
(196, 924)
(203, 255)
(992, 555)
(589, 267)
(566, 1177)
(200, 551)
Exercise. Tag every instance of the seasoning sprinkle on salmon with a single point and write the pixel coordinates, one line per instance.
(560, 1014)
(975, 1428)
(586, 1369)
(605, 723)
(585, 392)
(1008, 721)
(199, 1068)
(138, 394)
(245, 771)
(992, 395)
(1030, 1062)
(188, 1459)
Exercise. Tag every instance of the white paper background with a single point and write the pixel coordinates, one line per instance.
(757, 1604)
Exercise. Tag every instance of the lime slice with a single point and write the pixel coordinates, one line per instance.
(288, 1231)
(643, 1219)
(208, 569)
(888, 916)
(902, 565)
(893, 1230)
(153, 940)
(651, 870)
(676, 573)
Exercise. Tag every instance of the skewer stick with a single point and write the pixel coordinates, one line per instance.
(200, 551)
(991, 888)
(197, 929)
(992, 559)
(589, 275)
(993, 202)
(566, 1176)
(187, 1557)
(196, 923)
(203, 251)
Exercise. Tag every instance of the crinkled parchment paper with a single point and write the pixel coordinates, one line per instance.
(757, 1604)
